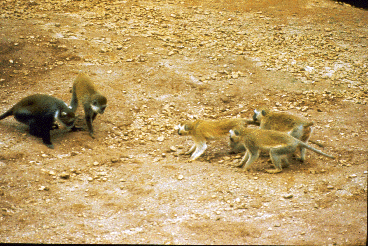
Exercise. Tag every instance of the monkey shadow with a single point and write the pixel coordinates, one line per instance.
(20, 129)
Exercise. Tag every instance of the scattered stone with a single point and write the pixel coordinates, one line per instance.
(45, 188)
(65, 175)
(288, 196)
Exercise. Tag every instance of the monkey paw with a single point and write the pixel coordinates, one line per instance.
(273, 171)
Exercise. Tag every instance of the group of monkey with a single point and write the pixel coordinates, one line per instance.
(280, 134)
(40, 112)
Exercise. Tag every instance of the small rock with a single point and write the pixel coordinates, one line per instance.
(173, 149)
(44, 188)
(64, 175)
(288, 196)
(180, 177)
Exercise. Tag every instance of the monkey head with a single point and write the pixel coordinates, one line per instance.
(234, 137)
(66, 117)
(98, 103)
(259, 113)
(185, 128)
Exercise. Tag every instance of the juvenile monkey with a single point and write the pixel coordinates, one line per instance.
(205, 130)
(93, 102)
(40, 112)
(280, 146)
(288, 123)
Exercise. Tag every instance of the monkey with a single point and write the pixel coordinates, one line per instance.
(284, 122)
(93, 102)
(39, 112)
(205, 130)
(280, 146)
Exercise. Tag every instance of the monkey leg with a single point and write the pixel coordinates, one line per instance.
(278, 155)
(285, 161)
(74, 101)
(89, 125)
(276, 160)
(199, 151)
(244, 159)
(302, 154)
(47, 139)
(191, 149)
(24, 116)
(42, 131)
(253, 157)
(94, 116)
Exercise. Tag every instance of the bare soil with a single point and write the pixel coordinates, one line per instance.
(161, 62)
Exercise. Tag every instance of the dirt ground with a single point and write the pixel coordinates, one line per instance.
(161, 62)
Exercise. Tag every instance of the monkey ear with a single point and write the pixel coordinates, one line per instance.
(263, 112)
(186, 127)
(236, 132)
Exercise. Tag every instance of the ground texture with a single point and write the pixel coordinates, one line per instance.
(159, 63)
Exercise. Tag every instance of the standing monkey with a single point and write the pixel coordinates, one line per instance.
(205, 130)
(280, 146)
(93, 102)
(288, 123)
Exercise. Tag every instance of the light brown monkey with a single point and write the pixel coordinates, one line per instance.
(280, 146)
(40, 112)
(93, 102)
(205, 130)
(288, 123)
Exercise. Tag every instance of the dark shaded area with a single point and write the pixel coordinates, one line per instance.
(355, 3)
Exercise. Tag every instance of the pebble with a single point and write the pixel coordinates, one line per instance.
(65, 175)
(44, 188)
(288, 196)
(180, 177)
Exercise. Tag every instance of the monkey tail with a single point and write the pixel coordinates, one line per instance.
(6, 114)
(316, 143)
(315, 150)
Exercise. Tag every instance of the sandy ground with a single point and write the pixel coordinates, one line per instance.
(159, 63)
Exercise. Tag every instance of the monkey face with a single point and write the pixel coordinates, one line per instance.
(66, 118)
(257, 115)
(97, 107)
(183, 129)
(234, 137)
